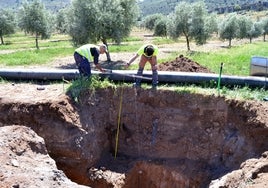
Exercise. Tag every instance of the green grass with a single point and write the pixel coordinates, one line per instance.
(171, 57)
(236, 59)
(124, 47)
(33, 57)
(240, 93)
(245, 93)
(132, 39)
(21, 41)
(21, 50)
(84, 83)
(162, 40)
(236, 62)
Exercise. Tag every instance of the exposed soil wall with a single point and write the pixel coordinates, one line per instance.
(192, 134)
(166, 139)
(25, 161)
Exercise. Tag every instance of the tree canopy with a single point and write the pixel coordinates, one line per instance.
(264, 22)
(91, 21)
(34, 19)
(7, 23)
(160, 28)
(150, 21)
(61, 21)
(228, 28)
(189, 20)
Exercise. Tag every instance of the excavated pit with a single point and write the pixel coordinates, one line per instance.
(165, 138)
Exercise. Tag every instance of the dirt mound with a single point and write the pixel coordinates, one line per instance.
(252, 173)
(182, 64)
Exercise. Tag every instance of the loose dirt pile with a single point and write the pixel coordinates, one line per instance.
(183, 64)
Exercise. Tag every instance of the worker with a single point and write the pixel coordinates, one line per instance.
(149, 54)
(87, 54)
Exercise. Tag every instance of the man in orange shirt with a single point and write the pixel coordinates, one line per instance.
(149, 54)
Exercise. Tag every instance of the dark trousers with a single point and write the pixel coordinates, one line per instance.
(82, 64)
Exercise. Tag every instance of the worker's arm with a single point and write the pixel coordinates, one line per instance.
(132, 59)
(99, 67)
(96, 55)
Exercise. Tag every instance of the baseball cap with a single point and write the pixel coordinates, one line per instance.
(149, 50)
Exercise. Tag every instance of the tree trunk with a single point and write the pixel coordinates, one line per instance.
(264, 37)
(2, 40)
(36, 42)
(250, 40)
(104, 41)
(230, 42)
(188, 43)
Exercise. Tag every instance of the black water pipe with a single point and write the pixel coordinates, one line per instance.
(129, 76)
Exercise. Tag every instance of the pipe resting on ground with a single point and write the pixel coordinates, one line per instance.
(129, 76)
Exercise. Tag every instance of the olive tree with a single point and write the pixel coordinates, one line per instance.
(255, 31)
(211, 23)
(91, 21)
(244, 25)
(229, 28)
(150, 20)
(189, 20)
(7, 23)
(61, 21)
(160, 28)
(198, 20)
(264, 24)
(34, 19)
(248, 28)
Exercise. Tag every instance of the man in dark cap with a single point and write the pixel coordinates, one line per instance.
(149, 54)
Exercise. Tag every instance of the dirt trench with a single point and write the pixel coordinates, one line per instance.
(165, 138)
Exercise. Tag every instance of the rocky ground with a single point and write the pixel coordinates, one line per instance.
(175, 140)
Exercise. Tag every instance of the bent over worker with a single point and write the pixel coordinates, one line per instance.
(149, 54)
(87, 54)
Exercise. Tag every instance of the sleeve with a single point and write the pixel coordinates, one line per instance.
(95, 53)
(141, 50)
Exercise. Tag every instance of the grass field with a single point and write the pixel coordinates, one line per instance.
(236, 59)
(20, 50)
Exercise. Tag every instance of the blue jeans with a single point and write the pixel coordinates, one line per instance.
(82, 64)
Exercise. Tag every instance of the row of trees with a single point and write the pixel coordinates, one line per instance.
(85, 20)
(91, 21)
(220, 6)
(195, 23)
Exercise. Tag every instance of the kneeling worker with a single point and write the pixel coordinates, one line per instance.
(87, 54)
(149, 54)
